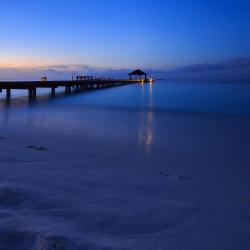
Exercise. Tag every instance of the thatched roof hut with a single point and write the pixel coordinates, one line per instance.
(137, 73)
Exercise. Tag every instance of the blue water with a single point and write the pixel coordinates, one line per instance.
(219, 98)
(143, 114)
(227, 98)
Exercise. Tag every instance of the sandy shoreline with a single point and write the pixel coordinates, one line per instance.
(69, 192)
(76, 176)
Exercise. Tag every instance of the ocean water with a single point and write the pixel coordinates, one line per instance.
(146, 166)
(136, 112)
(207, 97)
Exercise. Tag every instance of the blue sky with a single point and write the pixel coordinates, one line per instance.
(153, 34)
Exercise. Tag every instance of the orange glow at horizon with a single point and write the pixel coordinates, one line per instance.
(22, 62)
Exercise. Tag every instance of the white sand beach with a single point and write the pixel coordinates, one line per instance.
(102, 175)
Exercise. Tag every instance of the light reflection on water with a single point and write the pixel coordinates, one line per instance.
(134, 110)
(204, 97)
(146, 132)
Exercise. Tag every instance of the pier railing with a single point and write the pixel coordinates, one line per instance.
(70, 86)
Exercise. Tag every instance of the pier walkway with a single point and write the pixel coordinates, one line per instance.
(70, 86)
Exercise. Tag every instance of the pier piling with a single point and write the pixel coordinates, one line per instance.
(53, 92)
(78, 85)
(8, 93)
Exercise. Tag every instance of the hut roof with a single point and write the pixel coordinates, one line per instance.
(137, 72)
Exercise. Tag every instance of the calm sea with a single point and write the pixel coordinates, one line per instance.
(144, 114)
(215, 97)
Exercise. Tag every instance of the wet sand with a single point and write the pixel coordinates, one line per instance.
(76, 176)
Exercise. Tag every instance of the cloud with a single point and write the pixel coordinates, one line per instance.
(236, 63)
(59, 72)
(237, 68)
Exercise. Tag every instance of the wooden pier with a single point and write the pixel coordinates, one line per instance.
(70, 86)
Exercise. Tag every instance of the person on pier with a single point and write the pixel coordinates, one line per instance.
(44, 79)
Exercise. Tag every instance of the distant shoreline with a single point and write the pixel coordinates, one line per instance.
(204, 80)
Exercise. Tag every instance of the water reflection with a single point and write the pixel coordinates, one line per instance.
(151, 89)
(146, 119)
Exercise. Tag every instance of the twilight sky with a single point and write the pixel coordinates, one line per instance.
(162, 35)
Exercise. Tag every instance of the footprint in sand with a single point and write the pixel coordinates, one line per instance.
(37, 148)
(163, 174)
(174, 177)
